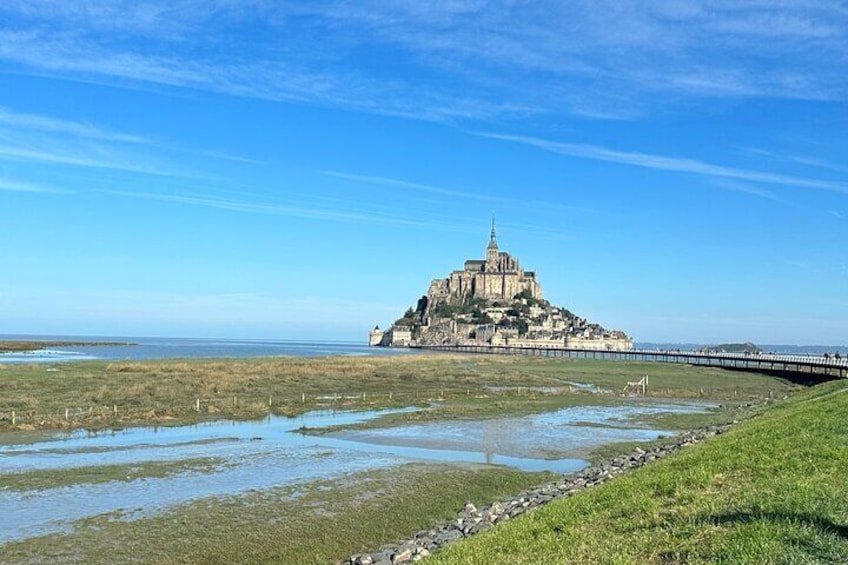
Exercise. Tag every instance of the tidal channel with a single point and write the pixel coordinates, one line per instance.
(256, 455)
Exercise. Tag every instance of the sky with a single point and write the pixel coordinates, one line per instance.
(302, 170)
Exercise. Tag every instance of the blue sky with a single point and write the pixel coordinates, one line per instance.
(273, 169)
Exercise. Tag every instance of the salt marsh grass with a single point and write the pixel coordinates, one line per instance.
(96, 394)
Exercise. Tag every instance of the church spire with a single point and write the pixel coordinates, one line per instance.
(493, 239)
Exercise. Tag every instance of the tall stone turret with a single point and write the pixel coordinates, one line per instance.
(492, 250)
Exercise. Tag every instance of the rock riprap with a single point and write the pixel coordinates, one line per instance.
(472, 520)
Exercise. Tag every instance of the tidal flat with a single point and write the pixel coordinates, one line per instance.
(450, 428)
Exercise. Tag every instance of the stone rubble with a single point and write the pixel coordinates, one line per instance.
(472, 520)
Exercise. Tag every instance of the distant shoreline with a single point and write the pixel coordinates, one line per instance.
(10, 346)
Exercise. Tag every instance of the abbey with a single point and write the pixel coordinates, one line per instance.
(498, 276)
(493, 301)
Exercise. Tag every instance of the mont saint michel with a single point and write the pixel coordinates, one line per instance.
(494, 301)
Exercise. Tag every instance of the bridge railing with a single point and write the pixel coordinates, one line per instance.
(773, 361)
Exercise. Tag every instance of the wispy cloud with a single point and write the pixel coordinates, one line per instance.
(224, 156)
(78, 158)
(666, 163)
(467, 60)
(747, 188)
(257, 207)
(277, 80)
(800, 159)
(55, 125)
(427, 188)
(344, 211)
(836, 214)
(801, 265)
(406, 185)
(15, 186)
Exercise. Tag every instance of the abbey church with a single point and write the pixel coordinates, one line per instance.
(498, 276)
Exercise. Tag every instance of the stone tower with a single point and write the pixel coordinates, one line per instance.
(492, 250)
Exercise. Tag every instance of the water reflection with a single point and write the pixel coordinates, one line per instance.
(262, 454)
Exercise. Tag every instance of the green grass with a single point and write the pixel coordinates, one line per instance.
(772, 490)
(316, 523)
(166, 392)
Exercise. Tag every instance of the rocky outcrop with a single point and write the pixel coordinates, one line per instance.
(472, 520)
(493, 301)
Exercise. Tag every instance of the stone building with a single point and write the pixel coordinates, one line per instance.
(376, 337)
(494, 301)
(498, 276)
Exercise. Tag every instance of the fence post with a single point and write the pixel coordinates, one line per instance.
(390, 395)
(14, 420)
(197, 405)
(115, 409)
(303, 397)
(66, 413)
(269, 401)
(235, 401)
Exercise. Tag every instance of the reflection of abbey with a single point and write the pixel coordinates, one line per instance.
(494, 301)
(498, 276)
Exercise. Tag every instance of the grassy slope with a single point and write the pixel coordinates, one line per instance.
(773, 490)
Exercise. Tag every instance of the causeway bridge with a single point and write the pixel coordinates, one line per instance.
(811, 367)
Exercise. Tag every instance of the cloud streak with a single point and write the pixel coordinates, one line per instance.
(313, 213)
(54, 125)
(15, 186)
(81, 159)
(426, 188)
(666, 163)
(346, 211)
(466, 60)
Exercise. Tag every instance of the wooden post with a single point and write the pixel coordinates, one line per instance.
(14, 420)
(269, 401)
(115, 409)
(66, 413)
(197, 405)
(303, 397)
(235, 401)
(363, 397)
(390, 395)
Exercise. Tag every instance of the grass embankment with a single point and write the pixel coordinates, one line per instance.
(317, 523)
(772, 490)
(101, 394)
